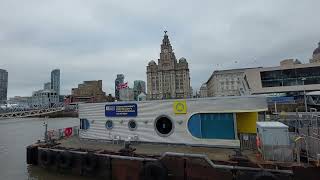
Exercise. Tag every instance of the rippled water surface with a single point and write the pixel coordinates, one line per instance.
(15, 135)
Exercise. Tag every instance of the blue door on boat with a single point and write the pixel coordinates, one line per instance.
(212, 126)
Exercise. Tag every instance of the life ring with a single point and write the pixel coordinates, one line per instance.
(265, 176)
(45, 158)
(64, 159)
(68, 131)
(154, 171)
(89, 162)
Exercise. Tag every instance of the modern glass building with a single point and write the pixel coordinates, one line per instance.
(3, 85)
(55, 80)
(289, 77)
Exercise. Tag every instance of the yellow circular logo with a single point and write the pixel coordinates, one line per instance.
(179, 107)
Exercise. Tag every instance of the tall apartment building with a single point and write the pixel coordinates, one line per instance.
(55, 80)
(119, 80)
(168, 79)
(3, 85)
(139, 87)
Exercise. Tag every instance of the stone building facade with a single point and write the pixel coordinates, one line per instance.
(91, 90)
(224, 82)
(169, 79)
(203, 90)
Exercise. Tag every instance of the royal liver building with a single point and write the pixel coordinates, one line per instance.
(169, 79)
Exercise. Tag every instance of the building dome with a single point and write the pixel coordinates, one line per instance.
(182, 60)
(152, 63)
(317, 51)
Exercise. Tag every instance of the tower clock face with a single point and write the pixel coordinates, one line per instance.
(165, 50)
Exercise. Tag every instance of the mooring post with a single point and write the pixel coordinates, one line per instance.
(46, 131)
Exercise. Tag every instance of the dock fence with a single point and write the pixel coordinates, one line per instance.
(55, 134)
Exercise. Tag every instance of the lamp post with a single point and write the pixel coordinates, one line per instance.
(304, 95)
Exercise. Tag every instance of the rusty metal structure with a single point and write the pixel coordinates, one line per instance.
(123, 160)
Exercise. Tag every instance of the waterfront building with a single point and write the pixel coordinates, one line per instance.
(42, 98)
(203, 90)
(291, 77)
(224, 82)
(55, 80)
(47, 86)
(88, 91)
(126, 94)
(110, 98)
(142, 97)
(168, 79)
(23, 101)
(3, 85)
(139, 87)
(119, 80)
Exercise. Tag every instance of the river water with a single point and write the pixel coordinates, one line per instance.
(15, 135)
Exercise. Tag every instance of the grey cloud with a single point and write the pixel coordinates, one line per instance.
(97, 39)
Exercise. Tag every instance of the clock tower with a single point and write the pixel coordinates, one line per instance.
(169, 79)
(167, 58)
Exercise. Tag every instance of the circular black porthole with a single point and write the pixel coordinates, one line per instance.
(109, 124)
(164, 126)
(132, 124)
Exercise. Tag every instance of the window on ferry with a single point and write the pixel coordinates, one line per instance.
(164, 126)
(84, 124)
(132, 124)
(212, 126)
(109, 124)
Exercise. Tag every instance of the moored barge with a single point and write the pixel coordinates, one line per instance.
(212, 138)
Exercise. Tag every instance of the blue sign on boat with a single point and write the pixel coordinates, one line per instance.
(116, 110)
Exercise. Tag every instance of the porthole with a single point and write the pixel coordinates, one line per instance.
(132, 124)
(84, 124)
(109, 124)
(164, 126)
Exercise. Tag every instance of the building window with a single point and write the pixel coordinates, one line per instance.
(109, 124)
(132, 124)
(164, 126)
(290, 77)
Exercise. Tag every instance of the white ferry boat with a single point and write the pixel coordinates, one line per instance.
(196, 122)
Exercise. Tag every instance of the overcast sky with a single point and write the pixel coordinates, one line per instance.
(97, 39)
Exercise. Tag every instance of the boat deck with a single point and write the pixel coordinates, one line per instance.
(218, 154)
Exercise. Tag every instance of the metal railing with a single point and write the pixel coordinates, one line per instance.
(22, 111)
(56, 134)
